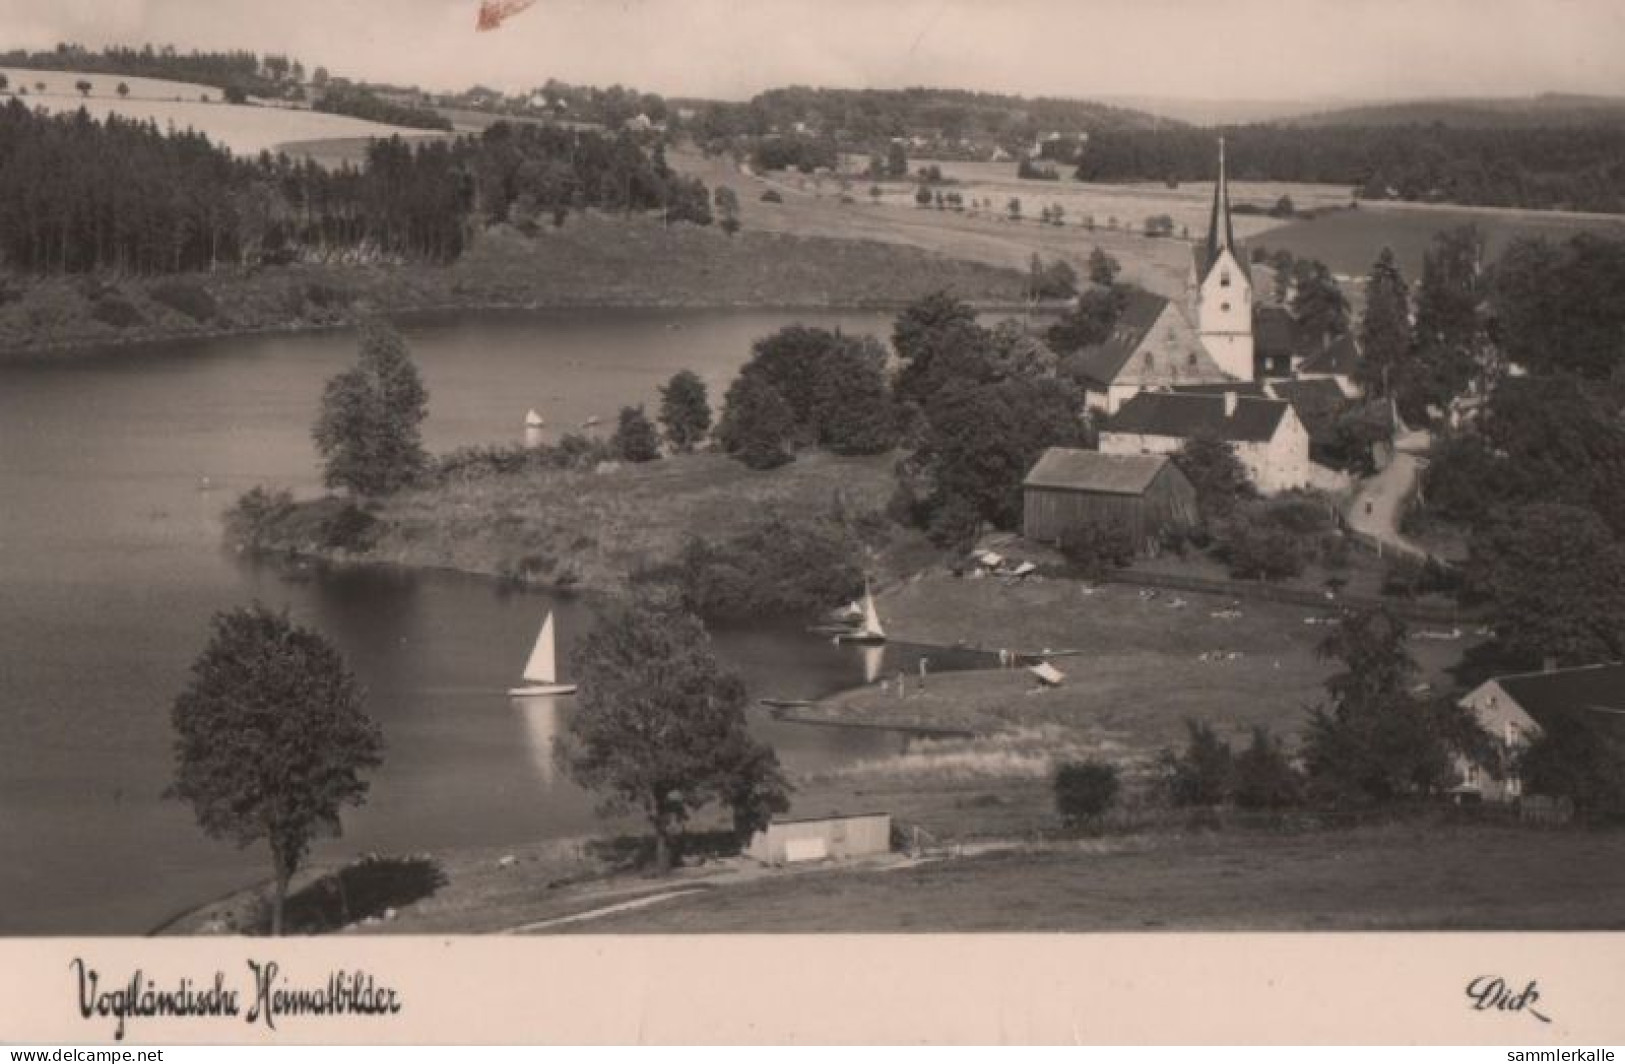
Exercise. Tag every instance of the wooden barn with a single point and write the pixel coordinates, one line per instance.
(1070, 489)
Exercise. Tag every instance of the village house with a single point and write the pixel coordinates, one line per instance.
(1153, 345)
(1266, 435)
(1274, 343)
(1511, 709)
(1070, 489)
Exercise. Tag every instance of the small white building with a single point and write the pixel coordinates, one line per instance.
(821, 838)
(1266, 434)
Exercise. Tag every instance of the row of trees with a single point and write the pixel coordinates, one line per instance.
(1574, 168)
(359, 103)
(78, 195)
(271, 75)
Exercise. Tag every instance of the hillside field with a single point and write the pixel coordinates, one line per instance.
(245, 129)
(1349, 241)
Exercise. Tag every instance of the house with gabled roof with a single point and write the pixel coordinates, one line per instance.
(1515, 709)
(1265, 433)
(1152, 345)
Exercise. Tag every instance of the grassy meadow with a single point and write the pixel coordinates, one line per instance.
(1402, 876)
(1349, 241)
(593, 529)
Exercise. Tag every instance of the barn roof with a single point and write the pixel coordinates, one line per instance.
(1182, 414)
(1070, 469)
(1317, 403)
(1339, 358)
(1588, 687)
(1104, 361)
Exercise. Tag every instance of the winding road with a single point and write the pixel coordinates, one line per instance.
(1375, 509)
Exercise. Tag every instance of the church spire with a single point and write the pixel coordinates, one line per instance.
(1220, 235)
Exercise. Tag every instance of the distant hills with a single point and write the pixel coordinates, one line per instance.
(1516, 112)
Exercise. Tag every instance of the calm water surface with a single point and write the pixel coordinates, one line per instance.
(114, 471)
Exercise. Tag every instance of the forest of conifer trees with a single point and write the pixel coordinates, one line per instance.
(79, 195)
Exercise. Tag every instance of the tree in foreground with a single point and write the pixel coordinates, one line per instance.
(1221, 481)
(660, 726)
(1553, 577)
(685, 411)
(1103, 268)
(271, 739)
(635, 437)
(369, 431)
(1378, 741)
(1204, 773)
(1578, 755)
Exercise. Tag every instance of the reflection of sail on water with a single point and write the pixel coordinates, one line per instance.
(541, 717)
(872, 657)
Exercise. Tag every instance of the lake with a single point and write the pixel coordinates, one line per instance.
(114, 471)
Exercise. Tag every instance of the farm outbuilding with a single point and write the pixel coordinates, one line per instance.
(1069, 489)
(817, 838)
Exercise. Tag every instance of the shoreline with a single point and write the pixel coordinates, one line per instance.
(89, 348)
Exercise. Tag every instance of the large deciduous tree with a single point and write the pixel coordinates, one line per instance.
(758, 427)
(1554, 579)
(369, 430)
(1379, 741)
(660, 726)
(271, 739)
(685, 411)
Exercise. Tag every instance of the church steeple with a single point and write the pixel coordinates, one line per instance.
(1220, 235)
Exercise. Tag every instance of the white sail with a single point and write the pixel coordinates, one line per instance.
(871, 619)
(541, 667)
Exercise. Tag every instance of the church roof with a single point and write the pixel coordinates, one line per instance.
(1184, 414)
(1103, 362)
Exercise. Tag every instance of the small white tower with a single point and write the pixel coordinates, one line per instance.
(1224, 289)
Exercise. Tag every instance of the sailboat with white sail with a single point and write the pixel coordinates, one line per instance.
(541, 671)
(868, 630)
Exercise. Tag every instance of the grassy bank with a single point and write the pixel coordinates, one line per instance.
(1407, 876)
(591, 261)
(581, 529)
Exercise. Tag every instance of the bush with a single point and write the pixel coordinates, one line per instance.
(188, 298)
(1254, 546)
(772, 196)
(1204, 772)
(351, 529)
(778, 567)
(115, 310)
(1265, 777)
(635, 437)
(1098, 547)
(1084, 790)
(256, 511)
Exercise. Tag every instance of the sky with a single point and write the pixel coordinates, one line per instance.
(731, 49)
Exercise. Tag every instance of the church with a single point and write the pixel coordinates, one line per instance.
(1205, 338)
